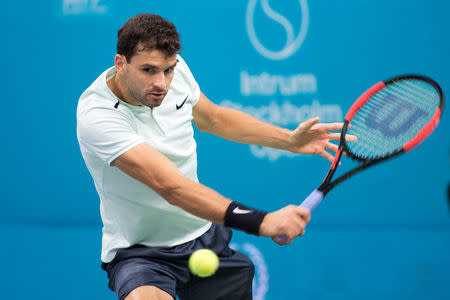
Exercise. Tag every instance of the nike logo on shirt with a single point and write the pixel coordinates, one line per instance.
(181, 105)
(239, 211)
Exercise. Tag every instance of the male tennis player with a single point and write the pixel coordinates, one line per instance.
(134, 127)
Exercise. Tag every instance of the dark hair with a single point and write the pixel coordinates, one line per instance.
(152, 32)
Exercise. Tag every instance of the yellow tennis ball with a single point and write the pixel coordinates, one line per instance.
(203, 263)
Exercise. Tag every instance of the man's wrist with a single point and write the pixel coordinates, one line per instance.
(243, 218)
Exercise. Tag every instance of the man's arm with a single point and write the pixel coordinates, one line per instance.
(150, 167)
(147, 165)
(308, 138)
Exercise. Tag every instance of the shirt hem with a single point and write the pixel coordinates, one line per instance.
(197, 233)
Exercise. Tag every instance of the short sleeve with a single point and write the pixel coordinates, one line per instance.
(190, 80)
(106, 133)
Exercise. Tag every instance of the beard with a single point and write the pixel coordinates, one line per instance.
(145, 97)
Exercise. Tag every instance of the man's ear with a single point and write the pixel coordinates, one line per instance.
(120, 61)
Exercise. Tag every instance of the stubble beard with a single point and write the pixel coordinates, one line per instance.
(141, 98)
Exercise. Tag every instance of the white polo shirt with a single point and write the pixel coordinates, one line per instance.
(132, 213)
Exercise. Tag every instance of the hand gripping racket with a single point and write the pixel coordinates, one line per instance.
(390, 118)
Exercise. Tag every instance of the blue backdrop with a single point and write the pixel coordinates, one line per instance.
(384, 234)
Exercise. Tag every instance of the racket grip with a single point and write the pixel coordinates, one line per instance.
(310, 203)
(312, 200)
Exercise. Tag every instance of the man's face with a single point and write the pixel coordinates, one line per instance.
(147, 76)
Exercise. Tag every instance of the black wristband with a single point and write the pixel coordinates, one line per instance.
(243, 218)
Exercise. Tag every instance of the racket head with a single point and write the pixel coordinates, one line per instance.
(392, 117)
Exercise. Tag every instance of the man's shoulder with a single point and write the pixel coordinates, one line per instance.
(97, 96)
(183, 69)
(184, 79)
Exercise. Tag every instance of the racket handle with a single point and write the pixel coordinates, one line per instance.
(310, 203)
(312, 200)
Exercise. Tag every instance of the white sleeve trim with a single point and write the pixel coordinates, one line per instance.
(125, 149)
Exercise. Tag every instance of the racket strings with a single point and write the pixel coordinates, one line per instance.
(377, 106)
(380, 100)
(373, 113)
(407, 94)
(367, 150)
(381, 110)
(392, 116)
(415, 88)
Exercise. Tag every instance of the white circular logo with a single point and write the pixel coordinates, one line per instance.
(261, 280)
(292, 43)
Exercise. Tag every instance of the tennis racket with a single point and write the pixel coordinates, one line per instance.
(390, 118)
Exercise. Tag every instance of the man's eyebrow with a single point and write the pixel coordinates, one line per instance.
(173, 66)
(155, 67)
(148, 66)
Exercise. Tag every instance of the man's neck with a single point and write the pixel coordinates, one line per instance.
(115, 87)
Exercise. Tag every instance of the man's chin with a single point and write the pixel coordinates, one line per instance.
(153, 103)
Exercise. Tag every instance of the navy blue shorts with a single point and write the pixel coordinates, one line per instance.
(167, 269)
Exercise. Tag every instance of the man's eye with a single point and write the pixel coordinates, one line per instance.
(148, 70)
(169, 70)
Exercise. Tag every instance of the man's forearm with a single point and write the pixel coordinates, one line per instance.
(196, 199)
(240, 127)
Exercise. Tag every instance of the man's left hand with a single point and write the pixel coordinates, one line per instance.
(310, 137)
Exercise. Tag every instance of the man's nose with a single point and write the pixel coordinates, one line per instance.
(160, 81)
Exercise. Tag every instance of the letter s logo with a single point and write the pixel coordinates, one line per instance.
(292, 43)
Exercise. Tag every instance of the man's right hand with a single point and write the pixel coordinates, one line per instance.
(290, 221)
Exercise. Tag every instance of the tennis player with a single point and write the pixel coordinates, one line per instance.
(134, 127)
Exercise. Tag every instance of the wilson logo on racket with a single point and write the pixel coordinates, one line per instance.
(396, 120)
